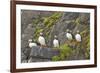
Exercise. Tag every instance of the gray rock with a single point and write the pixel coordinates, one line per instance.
(46, 53)
(66, 21)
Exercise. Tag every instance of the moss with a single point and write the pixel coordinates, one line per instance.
(76, 21)
(86, 44)
(87, 54)
(62, 56)
(65, 52)
(48, 22)
(55, 58)
(35, 21)
(37, 32)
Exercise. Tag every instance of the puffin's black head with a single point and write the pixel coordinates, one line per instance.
(41, 34)
(55, 37)
(30, 40)
(70, 31)
(67, 30)
(78, 32)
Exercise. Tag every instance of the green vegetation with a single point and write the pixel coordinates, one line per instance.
(48, 23)
(37, 32)
(35, 21)
(77, 21)
(87, 54)
(65, 52)
(55, 58)
(86, 44)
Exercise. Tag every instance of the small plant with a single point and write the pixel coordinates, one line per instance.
(50, 21)
(55, 58)
(77, 21)
(65, 52)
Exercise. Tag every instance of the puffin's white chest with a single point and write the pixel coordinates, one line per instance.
(41, 40)
(69, 36)
(78, 37)
(56, 43)
(32, 44)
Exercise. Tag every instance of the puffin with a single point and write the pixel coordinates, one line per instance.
(69, 35)
(78, 37)
(55, 42)
(41, 40)
(31, 43)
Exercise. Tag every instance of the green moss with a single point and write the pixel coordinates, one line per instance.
(86, 44)
(65, 52)
(62, 56)
(50, 21)
(83, 32)
(35, 21)
(76, 21)
(37, 33)
(87, 54)
(55, 58)
(46, 21)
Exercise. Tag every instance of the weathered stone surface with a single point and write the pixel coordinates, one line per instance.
(38, 54)
(46, 53)
(66, 21)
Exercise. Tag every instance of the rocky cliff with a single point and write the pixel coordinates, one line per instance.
(56, 23)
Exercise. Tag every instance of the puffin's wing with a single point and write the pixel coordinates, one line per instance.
(58, 43)
(73, 36)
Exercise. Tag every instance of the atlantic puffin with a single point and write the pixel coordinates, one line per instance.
(78, 37)
(31, 44)
(41, 40)
(55, 42)
(69, 35)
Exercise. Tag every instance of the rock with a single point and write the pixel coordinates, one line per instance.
(37, 54)
(27, 34)
(25, 53)
(69, 20)
(46, 53)
(23, 58)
